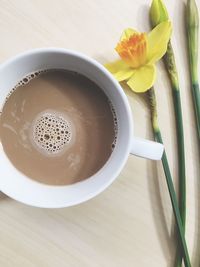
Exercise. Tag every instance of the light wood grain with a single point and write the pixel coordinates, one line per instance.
(131, 223)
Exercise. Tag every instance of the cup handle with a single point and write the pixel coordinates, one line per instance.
(147, 149)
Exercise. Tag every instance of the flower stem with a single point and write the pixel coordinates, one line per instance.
(158, 138)
(196, 101)
(192, 25)
(173, 76)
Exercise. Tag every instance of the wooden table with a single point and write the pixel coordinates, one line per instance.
(131, 223)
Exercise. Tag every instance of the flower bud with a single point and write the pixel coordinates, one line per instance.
(192, 15)
(158, 12)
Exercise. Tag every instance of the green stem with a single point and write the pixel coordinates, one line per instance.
(158, 138)
(173, 76)
(181, 156)
(196, 102)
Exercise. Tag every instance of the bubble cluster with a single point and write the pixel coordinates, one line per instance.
(51, 132)
(29, 77)
(115, 124)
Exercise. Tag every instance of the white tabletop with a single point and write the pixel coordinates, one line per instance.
(131, 223)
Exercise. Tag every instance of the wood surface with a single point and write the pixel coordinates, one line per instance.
(131, 223)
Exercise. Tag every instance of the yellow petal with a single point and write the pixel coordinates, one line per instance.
(120, 70)
(116, 66)
(123, 75)
(127, 34)
(158, 39)
(143, 79)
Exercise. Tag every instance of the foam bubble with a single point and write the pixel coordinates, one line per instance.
(115, 120)
(51, 132)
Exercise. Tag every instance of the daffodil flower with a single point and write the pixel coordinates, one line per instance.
(139, 52)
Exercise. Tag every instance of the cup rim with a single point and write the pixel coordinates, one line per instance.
(10, 191)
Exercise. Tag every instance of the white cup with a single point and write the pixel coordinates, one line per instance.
(16, 185)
